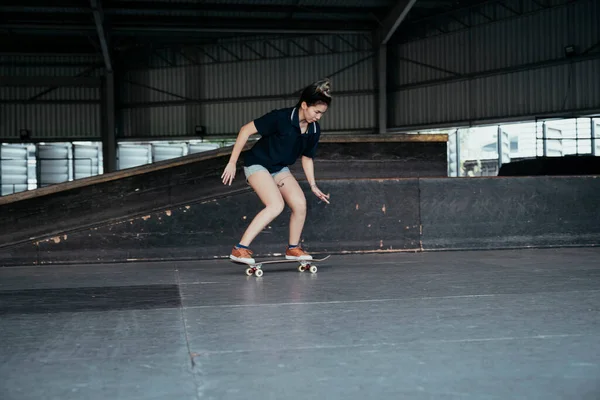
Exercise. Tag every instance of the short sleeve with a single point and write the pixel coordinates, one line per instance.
(313, 142)
(267, 124)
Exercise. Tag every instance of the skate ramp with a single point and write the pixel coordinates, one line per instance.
(357, 220)
(46, 224)
(500, 213)
(365, 215)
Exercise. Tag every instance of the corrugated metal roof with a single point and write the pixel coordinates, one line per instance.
(48, 121)
(233, 2)
(529, 39)
(46, 59)
(199, 13)
(328, 17)
(349, 3)
(322, 3)
(49, 70)
(437, 78)
(348, 113)
(43, 93)
(232, 94)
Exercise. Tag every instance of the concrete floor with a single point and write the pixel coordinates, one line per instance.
(458, 325)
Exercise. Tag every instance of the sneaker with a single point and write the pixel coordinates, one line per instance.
(242, 255)
(297, 254)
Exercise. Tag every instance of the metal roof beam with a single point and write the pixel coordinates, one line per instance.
(381, 36)
(47, 44)
(149, 6)
(394, 19)
(156, 8)
(99, 21)
(208, 25)
(41, 81)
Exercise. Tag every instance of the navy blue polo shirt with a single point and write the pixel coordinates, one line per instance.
(282, 143)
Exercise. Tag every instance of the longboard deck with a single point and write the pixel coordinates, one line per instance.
(305, 265)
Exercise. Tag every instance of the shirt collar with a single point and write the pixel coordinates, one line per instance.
(295, 119)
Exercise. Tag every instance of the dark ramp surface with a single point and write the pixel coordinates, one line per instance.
(86, 203)
(483, 213)
(514, 324)
(364, 215)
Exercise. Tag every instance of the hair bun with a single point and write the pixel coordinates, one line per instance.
(324, 87)
(318, 92)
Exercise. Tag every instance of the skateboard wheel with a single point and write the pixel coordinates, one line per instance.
(313, 269)
(258, 273)
(301, 268)
(249, 271)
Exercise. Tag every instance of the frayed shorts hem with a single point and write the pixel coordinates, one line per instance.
(256, 167)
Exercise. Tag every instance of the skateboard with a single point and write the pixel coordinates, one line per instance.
(305, 265)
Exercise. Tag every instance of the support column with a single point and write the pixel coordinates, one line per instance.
(499, 146)
(545, 139)
(382, 36)
(593, 134)
(108, 123)
(382, 88)
(109, 149)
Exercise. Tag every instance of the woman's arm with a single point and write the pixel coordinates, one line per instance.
(242, 138)
(309, 170)
(247, 130)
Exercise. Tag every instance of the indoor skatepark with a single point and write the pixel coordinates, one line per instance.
(452, 273)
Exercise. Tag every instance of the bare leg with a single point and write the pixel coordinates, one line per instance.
(265, 187)
(294, 197)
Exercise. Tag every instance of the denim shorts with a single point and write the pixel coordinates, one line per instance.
(256, 167)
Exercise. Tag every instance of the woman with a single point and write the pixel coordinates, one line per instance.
(286, 134)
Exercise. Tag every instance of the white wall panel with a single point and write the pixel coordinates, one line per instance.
(133, 155)
(15, 173)
(87, 160)
(168, 151)
(55, 163)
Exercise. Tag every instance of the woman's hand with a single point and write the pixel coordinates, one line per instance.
(319, 194)
(228, 174)
(242, 138)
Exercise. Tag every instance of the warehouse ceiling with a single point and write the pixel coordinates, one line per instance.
(76, 26)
